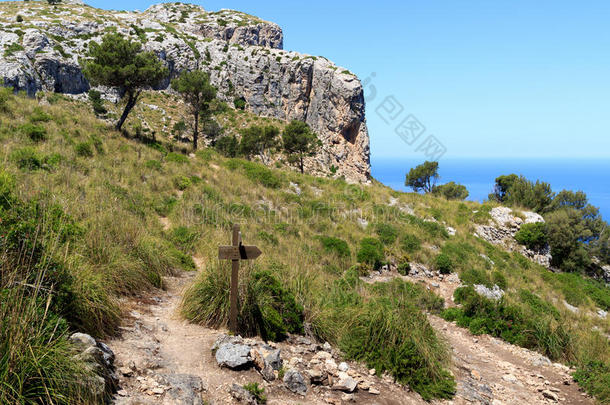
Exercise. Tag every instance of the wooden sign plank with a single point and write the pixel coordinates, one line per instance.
(241, 252)
(228, 253)
(249, 252)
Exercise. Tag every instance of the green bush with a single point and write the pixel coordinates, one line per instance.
(95, 97)
(499, 279)
(404, 268)
(335, 245)
(476, 276)
(176, 158)
(269, 238)
(410, 243)
(84, 149)
(35, 132)
(266, 307)
(182, 182)
(443, 263)
(165, 205)
(451, 191)
(184, 237)
(227, 146)
(594, 377)
(27, 158)
(153, 164)
(38, 115)
(387, 233)
(37, 307)
(239, 103)
(371, 253)
(532, 235)
(257, 172)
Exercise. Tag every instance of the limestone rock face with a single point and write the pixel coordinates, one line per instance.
(242, 53)
(503, 227)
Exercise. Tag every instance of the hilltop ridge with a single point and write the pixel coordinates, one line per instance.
(242, 54)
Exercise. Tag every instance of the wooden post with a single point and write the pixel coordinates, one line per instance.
(236, 252)
(234, 281)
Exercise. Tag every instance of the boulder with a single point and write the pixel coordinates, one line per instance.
(495, 293)
(267, 360)
(185, 389)
(317, 375)
(294, 381)
(234, 356)
(99, 359)
(345, 383)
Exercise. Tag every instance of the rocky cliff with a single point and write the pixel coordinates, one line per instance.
(41, 46)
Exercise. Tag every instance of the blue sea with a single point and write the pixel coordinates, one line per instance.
(591, 175)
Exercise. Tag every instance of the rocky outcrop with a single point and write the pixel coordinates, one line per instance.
(503, 227)
(99, 359)
(242, 54)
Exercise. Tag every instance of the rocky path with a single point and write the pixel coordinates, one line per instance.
(162, 359)
(489, 370)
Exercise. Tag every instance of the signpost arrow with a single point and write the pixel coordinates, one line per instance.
(235, 253)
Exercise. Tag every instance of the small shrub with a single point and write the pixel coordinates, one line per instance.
(239, 103)
(594, 377)
(257, 172)
(371, 253)
(257, 392)
(35, 132)
(499, 279)
(410, 243)
(227, 146)
(179, 127)
(335, 245)
(165, 205)
(182, 182)
(184, 237)
(387, 233)
(404, 268)
(19, 18)
(153, 164)
(27, 158)
(95, 97)
(176, 158)
(84, 149)
(443, 263)
(532, 235)
(38, 115)
(476, 276)
(269, 238)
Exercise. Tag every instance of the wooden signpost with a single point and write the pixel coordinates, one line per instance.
(235, 253)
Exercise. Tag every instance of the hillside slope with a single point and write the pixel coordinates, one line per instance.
(42, 46)
(122, 215)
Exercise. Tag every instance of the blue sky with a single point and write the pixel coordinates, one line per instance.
(503, 78)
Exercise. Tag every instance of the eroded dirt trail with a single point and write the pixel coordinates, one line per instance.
(162, 359)
(489, 370)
